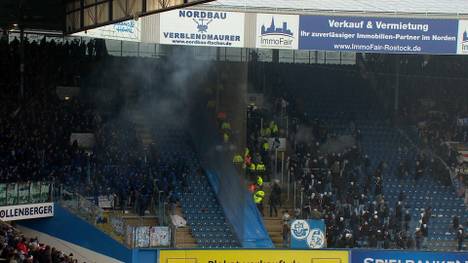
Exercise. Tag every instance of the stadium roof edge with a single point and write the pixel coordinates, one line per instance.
(331, 11)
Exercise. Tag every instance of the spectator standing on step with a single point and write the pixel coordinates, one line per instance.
(460, 237)
(275, 198)
(455, 222)
(407, 220)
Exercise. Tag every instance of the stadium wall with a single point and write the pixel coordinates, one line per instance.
(69, 227)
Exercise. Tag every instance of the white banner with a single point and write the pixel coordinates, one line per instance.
(462, 45)
(106, 201)
(20, 212)
(202, 28)
(277, 31)
(160, 236)
(128, 31)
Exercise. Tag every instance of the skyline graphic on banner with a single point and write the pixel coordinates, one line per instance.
(273, 30)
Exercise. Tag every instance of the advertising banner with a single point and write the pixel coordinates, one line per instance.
(381, 35)
(160, 236)
(462, 45)
(308, 234)
(127, 31)
(253, 255)
(277, 31)
(19, 212)
(396, 256)
(202, 28)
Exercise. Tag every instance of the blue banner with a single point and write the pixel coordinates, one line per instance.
(396, 256)
(381, 35)
(308, 234)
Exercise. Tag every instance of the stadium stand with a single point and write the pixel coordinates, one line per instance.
(381, 190)
(366, 216)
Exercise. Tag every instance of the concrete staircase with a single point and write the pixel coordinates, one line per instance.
(274, 224)
(184, 239)
(274, 227)
(183, 236)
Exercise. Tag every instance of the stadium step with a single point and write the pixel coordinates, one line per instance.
(274, 226)
(184, 238)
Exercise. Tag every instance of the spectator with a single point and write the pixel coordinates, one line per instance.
(460, 237)
(275, 198)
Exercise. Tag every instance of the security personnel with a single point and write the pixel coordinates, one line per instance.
(237, 159)
(266, 146)
(273, 128)
(226, 126)
(259, 181)
(258, 200)
(261, 169)
(253, 168)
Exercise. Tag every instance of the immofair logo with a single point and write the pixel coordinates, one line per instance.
(316, 238)
(276, 33)
(300, 229)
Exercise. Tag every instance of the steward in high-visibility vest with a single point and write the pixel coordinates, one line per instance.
(258, 196)
(259, 181)
(274, 129)
(261, 168)
(258, 200)
(246, 152)
(266, 146)
(253, 168)
(225, 125)
(237, 159)
(226, 137)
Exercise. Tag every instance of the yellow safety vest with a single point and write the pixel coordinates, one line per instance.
(274, 129)
(225, 126)
(266, 146)
(261, 167)
(259, 181)
(237, 159)
(246, 152)
(258, 197)
(252, 167)
(226, 137)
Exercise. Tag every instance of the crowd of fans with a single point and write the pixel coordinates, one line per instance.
(342, 189)
(16, 248)
(434, 100)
